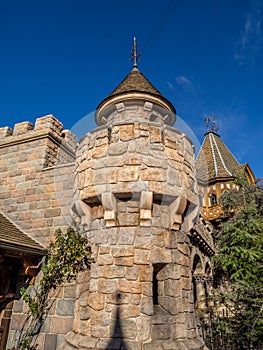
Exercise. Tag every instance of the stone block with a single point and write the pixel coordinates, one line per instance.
(172, 288)
(101, 318)
(127, 219)
(116, 149)
(146, 306)
(132, 272)
(135, 299)
(96, 301)
(107, 286)
(124, 261)
(50, 342)
(126, 132)
(110, 271)
(65, 307)
(147, 288)
(126, 329)
(105, 259)
(141, 256)
(153, 174)
(129, 311)
(178, 331)
(122, 252)
(61, 325)
(160, 332)
(22, 128)
(129, 287)
(145, 273)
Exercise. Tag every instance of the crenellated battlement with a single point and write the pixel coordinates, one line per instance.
(45, 124)
(60, 146)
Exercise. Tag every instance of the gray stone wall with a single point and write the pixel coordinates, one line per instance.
(136, 200)
(36, 193)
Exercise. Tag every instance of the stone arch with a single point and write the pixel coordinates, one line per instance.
(199, 291)
(197, 266)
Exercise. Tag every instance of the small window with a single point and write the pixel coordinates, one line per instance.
(213, 199)
(156, 269)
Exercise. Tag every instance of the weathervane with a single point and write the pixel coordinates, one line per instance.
(135, 57)
(211, 123)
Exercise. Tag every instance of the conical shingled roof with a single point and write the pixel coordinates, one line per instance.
(135, 81)
(11, 237)
(215, 160)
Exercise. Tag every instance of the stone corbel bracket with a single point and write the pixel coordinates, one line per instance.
(146, 202)
(109, 203)
(83, 212)
(191, 217)
(176, 210)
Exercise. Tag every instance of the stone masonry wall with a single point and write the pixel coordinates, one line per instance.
(36, 189)
(35, 193)
(135, 192)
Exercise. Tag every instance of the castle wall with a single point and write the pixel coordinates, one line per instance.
(136, 201)
(36, 188)
(35, 191)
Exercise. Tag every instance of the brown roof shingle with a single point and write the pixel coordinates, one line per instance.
(12, 237)
(135, 81)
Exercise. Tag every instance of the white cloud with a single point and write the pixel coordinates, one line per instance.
(251, 34)
(182, 80)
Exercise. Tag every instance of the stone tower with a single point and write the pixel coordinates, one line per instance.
(136, 200)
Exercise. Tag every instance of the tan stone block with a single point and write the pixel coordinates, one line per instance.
(172, 288)
(126, 132)
(145, 273)
(141, 256)
(122, 251)
(173, 154)
(160, 255)
(52, 212)
(107, 285)
(133, 160)
(132, 273)
(129, 311)
(105, 259)
(144, 324)
(178, 331)
(126, 174)
(113, 271)
(124, 261)
(101, 318)
(99, 152)
(96, 301)
(155, 134)
(61, 325)
(147, 289)
(118, 299)
(128, 219)
(99, 331)
(153, 174)
(129, 287)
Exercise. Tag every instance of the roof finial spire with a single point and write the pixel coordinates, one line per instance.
(135, 56)
(211, 123)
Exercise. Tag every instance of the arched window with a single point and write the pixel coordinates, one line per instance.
(213, 199)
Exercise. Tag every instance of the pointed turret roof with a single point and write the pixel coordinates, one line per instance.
(134, 85)
(215, 159)
(135, 81)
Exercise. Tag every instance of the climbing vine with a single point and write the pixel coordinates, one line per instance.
(64, 258)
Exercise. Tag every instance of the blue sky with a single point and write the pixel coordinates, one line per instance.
(64, 57)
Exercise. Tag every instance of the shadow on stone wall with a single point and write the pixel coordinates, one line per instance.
(117, 342)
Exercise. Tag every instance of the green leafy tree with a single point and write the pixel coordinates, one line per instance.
(239, 265)
(65, 257)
